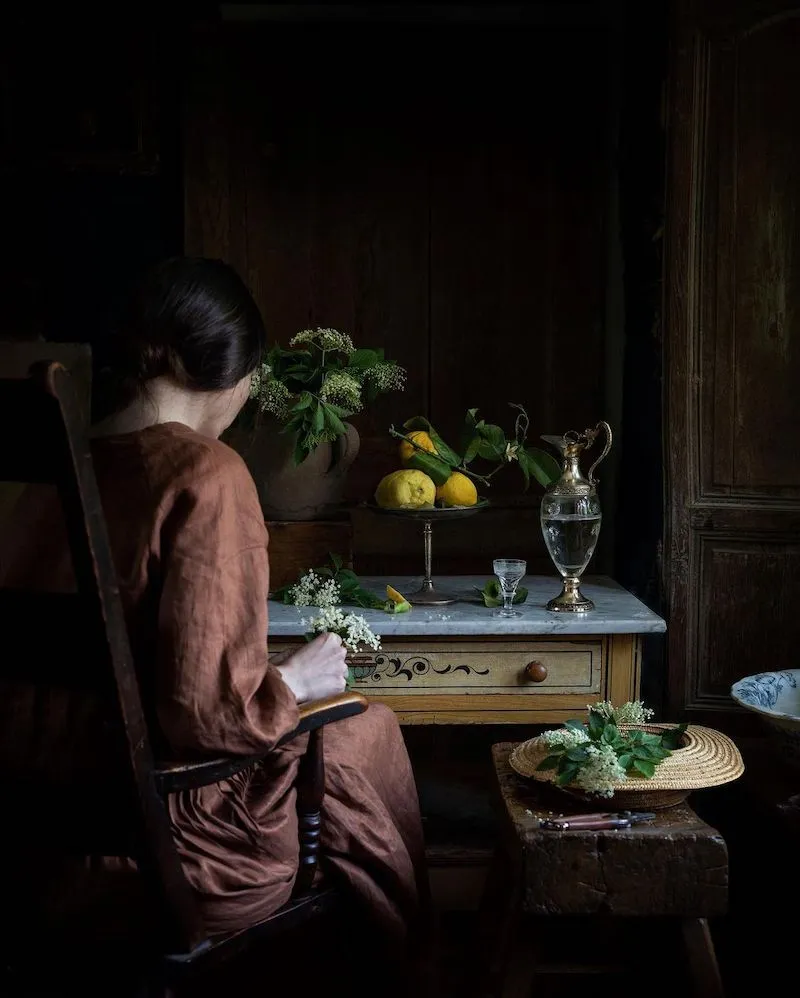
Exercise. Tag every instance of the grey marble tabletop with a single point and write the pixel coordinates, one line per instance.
(617, 611)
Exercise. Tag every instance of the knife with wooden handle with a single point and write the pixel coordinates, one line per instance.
(598, 821)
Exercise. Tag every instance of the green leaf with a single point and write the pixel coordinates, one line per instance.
(336, 560)
(574, 725)
(319, 419)
(567, 774)
(596, 725)
(610, 734)
(363, 359)
(644, 767)
(541, 465)
(549, 762)
(576, 754)
(301, 450)
(336, 425)
(337, 409)
(625, 760)
(303, 402)
(525, 467)
(471, 450)
(434, 467)
(446, 453)
(468, 430)
(493, 598)
(492, 446)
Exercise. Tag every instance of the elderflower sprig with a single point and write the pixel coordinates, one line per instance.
(352, 628)
(598, 755)
(314, 590)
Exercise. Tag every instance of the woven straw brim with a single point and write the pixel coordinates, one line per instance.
(707, 758)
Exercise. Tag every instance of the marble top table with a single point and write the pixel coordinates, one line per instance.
(617, 611)
(459, 664)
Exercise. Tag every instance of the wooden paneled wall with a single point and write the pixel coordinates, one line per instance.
(436, 190)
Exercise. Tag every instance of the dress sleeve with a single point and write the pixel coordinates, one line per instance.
(216, 690)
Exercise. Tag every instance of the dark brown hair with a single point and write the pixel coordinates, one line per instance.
(191, 319)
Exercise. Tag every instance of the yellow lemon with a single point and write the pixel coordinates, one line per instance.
(458, 490)
(421, 439)
(394, 595)
(405, 488)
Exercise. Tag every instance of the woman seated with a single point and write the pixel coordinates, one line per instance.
(190, 547)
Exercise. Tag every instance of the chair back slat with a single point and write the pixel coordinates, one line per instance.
(81, 642)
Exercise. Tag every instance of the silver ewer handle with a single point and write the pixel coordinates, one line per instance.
(601, 425)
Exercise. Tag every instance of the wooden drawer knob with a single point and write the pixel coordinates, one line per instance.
(536, 672)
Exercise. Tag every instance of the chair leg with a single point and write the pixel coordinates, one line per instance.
(702, 958)
(310, 792)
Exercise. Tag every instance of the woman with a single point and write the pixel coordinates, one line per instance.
(190, 548)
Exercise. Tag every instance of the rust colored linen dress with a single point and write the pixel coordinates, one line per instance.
(190, 546)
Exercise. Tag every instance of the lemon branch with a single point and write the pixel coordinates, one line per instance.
(484, 479)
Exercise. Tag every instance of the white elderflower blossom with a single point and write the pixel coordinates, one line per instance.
(352, 628)
(274, 396)
(631, 712)
(342, 390)
(259, 379)
(566, 738)
(325, 339)
(312, 590)
(600, 771)
(387, 377)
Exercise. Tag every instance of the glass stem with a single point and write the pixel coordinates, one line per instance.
(427, 582)
(508, 600)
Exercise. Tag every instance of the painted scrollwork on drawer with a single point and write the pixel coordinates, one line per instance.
(406, 667)
(481, 667)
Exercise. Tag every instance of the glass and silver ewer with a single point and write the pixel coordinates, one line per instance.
(571, 516)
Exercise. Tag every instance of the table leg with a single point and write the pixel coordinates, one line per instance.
(702, 958)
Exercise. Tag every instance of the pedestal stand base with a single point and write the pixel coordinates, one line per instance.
(570, 599)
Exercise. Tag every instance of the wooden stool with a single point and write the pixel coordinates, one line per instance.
(670, 873)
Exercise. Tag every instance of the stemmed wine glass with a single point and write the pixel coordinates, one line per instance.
(509, 572)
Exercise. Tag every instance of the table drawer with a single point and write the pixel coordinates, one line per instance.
(531, 667)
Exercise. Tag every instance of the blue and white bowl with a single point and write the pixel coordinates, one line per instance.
(775, 697)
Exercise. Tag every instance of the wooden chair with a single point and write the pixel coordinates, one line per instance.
(79, 641)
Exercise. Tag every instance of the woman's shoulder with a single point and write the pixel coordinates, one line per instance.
(176, 458)
(191, 457)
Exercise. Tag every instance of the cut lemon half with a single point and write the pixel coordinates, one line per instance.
(394, 595)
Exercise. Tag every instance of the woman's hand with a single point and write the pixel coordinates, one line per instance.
(316, 670)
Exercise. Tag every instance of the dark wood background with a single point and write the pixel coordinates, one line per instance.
(479, 190)
(440, 190)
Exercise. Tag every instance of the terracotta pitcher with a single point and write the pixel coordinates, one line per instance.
(311, 490)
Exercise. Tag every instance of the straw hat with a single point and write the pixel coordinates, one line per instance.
(706, 758)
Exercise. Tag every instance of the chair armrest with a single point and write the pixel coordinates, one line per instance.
(169, 779)
(318, 712)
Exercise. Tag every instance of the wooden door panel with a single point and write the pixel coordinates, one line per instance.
(732, 347)
(747, 599)
(750, 285)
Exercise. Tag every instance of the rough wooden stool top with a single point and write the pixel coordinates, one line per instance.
(675, 865)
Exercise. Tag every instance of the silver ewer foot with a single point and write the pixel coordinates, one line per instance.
(570, 599)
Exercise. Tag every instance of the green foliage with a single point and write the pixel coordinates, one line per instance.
(318, 383)
(480, 442)
(638, 751)
(492, 596)
(352, 591)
